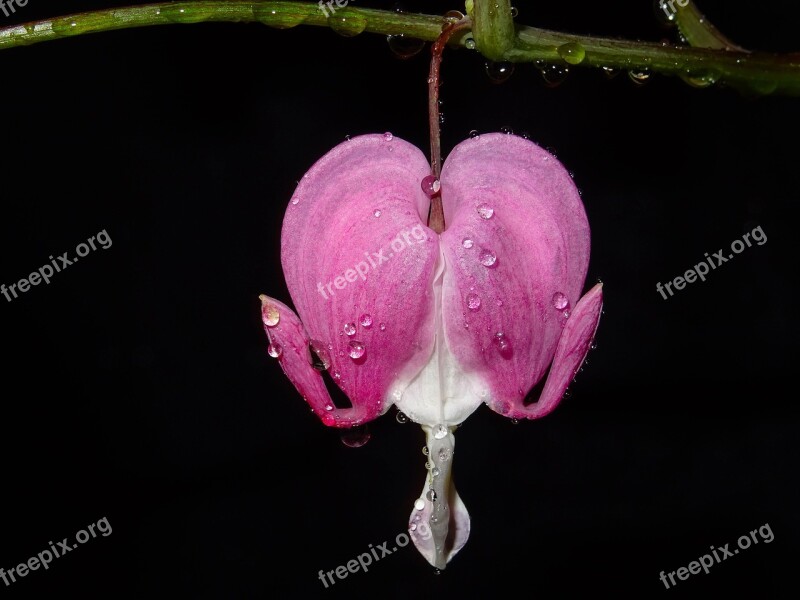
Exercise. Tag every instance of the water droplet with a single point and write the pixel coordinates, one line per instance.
(560, 301)
(515, 421)
(499, 72)
(430, 185)
(295, 200)
(440, 431)
(356, 350)
(467, 243)
(329, 407)
(437, 571)
(428, 465)
(404, 47)
(365, 320)
(412, 527)
(425, 450)
(349, 24)
(639, 76)
(572, 53)
(507, 130)
(474, 134)
(377, 213)
(514, 12)
(355, 437)
(349, 328)
(487, 258)
(473, 301)
(431, 495)
(419, 504)
(382, 326)
(388, 136)
(554, 75)
(319, 357)
(566, 314)
(278, 20)
(700, 79)
(68, 27)
(270, 314)
(435, 472)
(469, 43)
(485, 211)
(445, 454)
(401, 417)
(453, 15)
(274, 350)
(502, 343)
(610, 72)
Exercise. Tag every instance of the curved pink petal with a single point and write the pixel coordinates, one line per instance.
(516, 251)
(573, 346)
(359, 264)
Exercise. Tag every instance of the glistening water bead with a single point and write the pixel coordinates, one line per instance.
(473, 301)
(356, 349)
(560, 301)
(349, 328)
(365, 320)
(274, 350)
(485, 211)
(430, 185)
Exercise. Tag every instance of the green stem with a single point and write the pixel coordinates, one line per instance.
(759, 73)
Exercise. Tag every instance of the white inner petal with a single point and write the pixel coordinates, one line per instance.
(442, 392)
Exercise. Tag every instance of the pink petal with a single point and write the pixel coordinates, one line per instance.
(573, 346)
(503, 318)
(354, 244)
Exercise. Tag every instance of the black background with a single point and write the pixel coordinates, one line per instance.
(136, 386)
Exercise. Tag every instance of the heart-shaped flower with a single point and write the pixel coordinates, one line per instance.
(435, 323)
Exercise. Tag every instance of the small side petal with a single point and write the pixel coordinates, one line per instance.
(291, 338)
(573, 346)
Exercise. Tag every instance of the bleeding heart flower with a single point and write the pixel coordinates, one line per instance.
(436, 324)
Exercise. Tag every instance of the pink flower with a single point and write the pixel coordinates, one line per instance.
(436, 324)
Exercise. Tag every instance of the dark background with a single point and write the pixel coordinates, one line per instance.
(137, 387)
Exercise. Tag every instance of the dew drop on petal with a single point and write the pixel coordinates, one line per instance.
(329, 407)
(431, 495)
(419, 504)
(270, 314)
(501, 342)
(274, 350)
(350, 328)
(487, 257)
(560, 301)
(434, 472)
(474, 134)
(639, 76)
(356, 350)
(295, 200)
(467, 243)
(355, 437)
(425, 450)
(440, 431)
(377, 213)
(365, 320)
(403, 47)
(473, 301)
(401, 417)
(469, 43)
(567, 314)
(445, 454)
(430, 185)
(388, 136)
(572, 53)
(382, 326)
(485, 211)
(507, 130)
(412, 527)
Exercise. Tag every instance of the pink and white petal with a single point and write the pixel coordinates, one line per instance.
(357, 255)
(574, 345)
(290, 337)
(516, 251)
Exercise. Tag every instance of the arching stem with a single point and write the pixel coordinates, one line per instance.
(452, 26)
